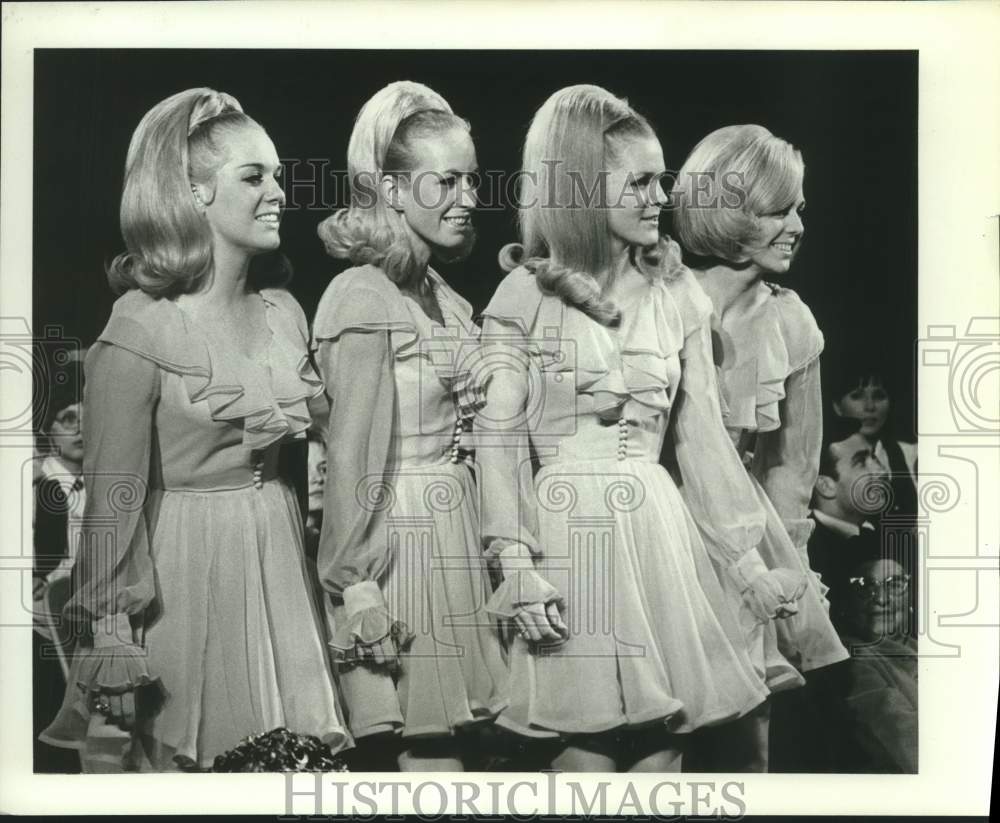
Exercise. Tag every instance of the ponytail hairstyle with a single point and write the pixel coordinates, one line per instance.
(369, 232)
(732, 176)
(168, 242)
(569, 146)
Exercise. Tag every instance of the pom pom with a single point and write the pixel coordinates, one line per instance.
(279, 750)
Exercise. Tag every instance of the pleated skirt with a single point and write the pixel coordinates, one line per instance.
(237, 638)
(452, 674)
(652, 637)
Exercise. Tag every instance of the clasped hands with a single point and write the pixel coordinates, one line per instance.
(540, 623)
(769, 594)
(116, 644)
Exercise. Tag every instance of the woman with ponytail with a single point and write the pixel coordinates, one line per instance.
(593, 340)
(190, 590)
(419, 659)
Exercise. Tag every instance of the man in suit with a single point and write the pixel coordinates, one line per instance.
(846, 502)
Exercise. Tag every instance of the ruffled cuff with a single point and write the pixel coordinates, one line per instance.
(513, 557)
(520, 589)
(114, 664)
(747, 569)
(370, 634)
(113, 669)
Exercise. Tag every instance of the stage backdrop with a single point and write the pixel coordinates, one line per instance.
(853, 115)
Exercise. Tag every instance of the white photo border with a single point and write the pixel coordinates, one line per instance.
(959, 189)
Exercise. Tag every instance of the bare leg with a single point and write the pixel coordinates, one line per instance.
(575, 759)
(436, 756)
(666, 757)
(742, 746)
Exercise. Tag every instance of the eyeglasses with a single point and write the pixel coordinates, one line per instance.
(68, 419)
(895, 586)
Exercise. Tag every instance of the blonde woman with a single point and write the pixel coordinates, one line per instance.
(593, 340)
(419, 657)
(738, 214)
(190, 581)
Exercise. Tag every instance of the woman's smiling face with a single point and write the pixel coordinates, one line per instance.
(243, 207)
(779, 235)
(437, 196)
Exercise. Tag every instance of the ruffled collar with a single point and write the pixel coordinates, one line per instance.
(363, 299)
(632, 370)
(269, 395)
(755, 363)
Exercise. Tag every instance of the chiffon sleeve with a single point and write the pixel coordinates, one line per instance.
(786, 460)
(354, 356)
(717, 489)
(503, 455)
(505, 473)
(113, 572)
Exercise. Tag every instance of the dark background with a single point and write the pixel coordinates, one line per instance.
(853, 115)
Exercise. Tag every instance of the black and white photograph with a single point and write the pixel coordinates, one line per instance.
(446, 410)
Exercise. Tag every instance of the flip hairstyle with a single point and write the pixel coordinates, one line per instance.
(732, 176)
(168, 241)
(565, 244)
(369, 232)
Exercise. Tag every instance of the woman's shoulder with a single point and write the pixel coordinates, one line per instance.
(141, 323)
(142, 334)
(283, 303)
(282, 298)
(137, 304)
(516, 299)
(693, 304)
(519, 282)
(797, 325)
(361, 297)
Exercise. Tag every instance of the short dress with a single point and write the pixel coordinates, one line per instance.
(176, 419)
(772, 407)
(568, 450)
(399, 548)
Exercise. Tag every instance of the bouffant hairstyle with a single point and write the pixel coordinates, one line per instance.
(734, 175)
(572, 140)
(179, 142)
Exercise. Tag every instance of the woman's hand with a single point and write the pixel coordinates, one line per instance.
(118, 709)
(770, 594)
(540, 623)
(773, 595)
